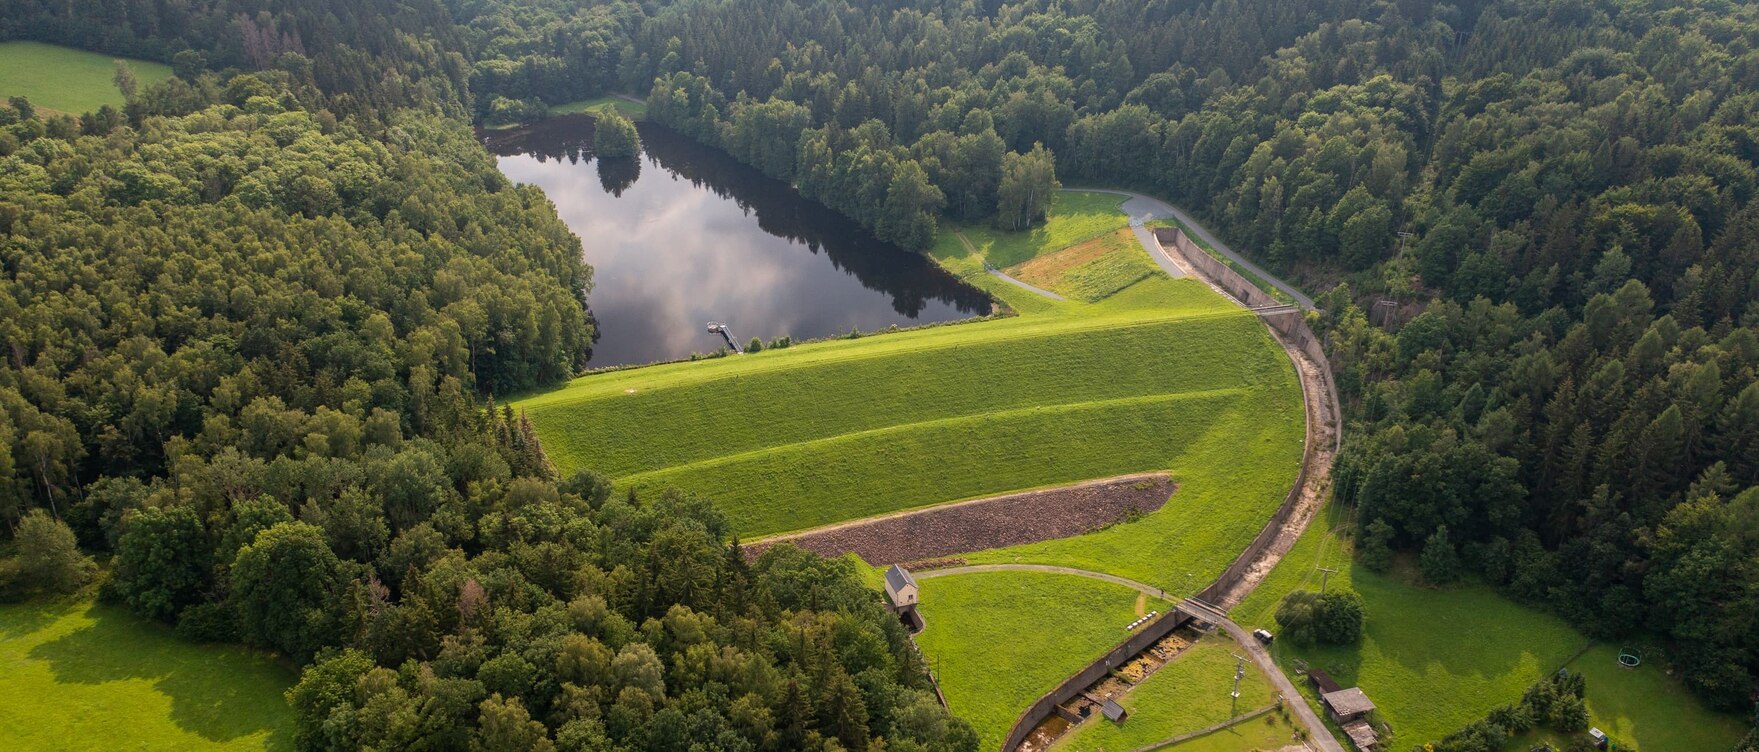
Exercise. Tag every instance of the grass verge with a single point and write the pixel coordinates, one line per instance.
(999, 640)
(79, 676)
(67, 80)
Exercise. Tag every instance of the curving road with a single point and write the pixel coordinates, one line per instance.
(1316, 730)
(1143, 208)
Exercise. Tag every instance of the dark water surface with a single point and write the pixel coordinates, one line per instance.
(686, 235)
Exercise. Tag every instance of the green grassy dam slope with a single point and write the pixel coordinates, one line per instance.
(1145, 374)
(819, 433)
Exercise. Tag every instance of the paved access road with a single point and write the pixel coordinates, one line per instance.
(1316, 730)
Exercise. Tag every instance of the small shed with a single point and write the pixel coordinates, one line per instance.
(1346, 705)
(1598, 737)
(1113, 711)
(1362, 735)
(1322, 682)
(900, 588)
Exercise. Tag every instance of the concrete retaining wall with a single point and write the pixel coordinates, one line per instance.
(1147, 635)
(1215, 271)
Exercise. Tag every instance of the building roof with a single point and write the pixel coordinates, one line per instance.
(1348, 701)
(897, 577)
(1323, 681)
(1361, 734)
(1112, 710)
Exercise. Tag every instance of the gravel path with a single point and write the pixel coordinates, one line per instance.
(992, 522)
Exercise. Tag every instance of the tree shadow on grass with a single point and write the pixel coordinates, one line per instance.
(217, 692)
(18, 620)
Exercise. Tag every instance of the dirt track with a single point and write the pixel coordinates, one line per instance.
(981, 524)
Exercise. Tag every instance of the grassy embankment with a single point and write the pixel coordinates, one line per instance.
(1436, 659)
(63, 79)
(1188, 694)
(78, 676)
(1160, 375)
(1163, 375)
(1040, 627)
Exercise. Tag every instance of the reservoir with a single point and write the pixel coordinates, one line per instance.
(686, 235)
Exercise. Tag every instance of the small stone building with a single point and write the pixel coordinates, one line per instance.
(1346, 705)
(1350, 709)
(900, 588)
(901, 592)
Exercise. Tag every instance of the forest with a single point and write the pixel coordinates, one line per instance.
(254, 322)
(1534, 222)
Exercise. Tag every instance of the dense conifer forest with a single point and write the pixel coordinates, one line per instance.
(252, 320)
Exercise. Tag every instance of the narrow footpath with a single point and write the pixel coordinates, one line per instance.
(1317, 733)
(1001, 275)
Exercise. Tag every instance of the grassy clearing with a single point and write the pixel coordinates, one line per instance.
(1476, 648)
(631, 110)
(64, 79)
(1186, 695)
(1092, 270)
(999, 640)
(79, 676)
(1643, 709)
(1076, 216)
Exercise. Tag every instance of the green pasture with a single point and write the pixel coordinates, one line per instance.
(1000, 640)
(67, 80)
(1643, 708)
(1188, 694)
(1474, 647)
(79, 676)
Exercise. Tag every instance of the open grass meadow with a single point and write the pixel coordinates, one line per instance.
(79, 676)
(999, 640)
(67, 80)
(1188, 694)
(1436, 659)
(1643, 709)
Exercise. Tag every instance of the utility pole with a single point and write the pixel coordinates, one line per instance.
(1402, 237)
(1239, 673)
(1324, 578)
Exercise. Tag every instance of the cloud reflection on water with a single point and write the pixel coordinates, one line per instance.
(697, 237)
